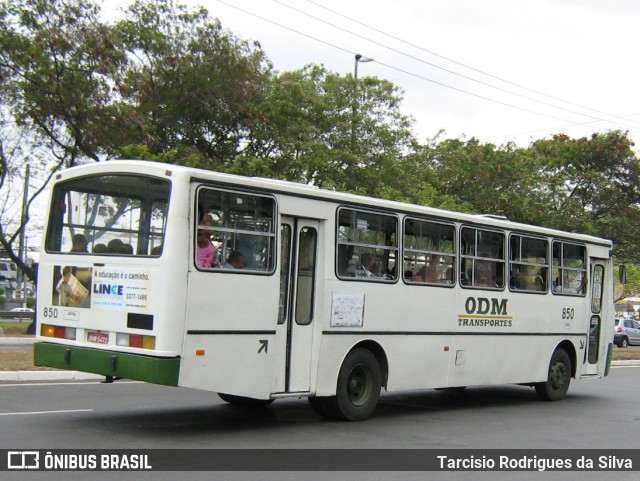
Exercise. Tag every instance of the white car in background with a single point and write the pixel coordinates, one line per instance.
(626, 332)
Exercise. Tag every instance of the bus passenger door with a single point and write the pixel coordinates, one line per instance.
(594, 339)
(298, 280)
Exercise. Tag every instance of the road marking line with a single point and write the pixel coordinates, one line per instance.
(48, 412)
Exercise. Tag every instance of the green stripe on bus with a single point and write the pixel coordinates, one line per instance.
(156, 370)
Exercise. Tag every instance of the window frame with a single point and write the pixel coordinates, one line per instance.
(547, 265)
(561, 267)
(364, 245)
(453, 256)
(53, 240)
(484, 259)
(272, 235)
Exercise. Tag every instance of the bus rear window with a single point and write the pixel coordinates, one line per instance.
(111, 215)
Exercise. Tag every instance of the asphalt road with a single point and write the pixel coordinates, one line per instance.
(125, 415)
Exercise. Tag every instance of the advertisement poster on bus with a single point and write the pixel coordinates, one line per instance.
(72, 286)
(101, 288)
(121, 289)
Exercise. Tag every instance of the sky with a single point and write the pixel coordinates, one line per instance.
(496, 70)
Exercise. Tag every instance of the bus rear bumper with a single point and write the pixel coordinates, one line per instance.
(155, 370)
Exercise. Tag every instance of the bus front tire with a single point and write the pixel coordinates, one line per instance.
(246, 402)
(558, 377)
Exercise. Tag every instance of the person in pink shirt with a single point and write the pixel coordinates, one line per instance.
(206, 252)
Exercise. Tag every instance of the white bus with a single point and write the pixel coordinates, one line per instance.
(260, 289)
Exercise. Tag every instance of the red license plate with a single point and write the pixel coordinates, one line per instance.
(98, 337)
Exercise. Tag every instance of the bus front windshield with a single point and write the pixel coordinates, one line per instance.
(116, 214)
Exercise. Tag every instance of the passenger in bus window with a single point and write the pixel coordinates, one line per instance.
(425, 274)
(115, 246)
(369, 265)
(582, 288)
(484, 274)
(79, 243)
(100, 249)
(206, 252)
(235, 260)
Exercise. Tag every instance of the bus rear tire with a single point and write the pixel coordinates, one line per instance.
(558, 377)
(246, 402)
(358, 386)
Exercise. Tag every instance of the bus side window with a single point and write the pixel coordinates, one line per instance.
(483, 258)
(367, 246)
(239, 222)
(569, 268)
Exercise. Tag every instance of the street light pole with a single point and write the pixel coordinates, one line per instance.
(358, 58)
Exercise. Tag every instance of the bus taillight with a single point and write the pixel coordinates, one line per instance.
(136, 340)
(60, 332)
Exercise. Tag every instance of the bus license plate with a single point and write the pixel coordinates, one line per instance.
(98, 337)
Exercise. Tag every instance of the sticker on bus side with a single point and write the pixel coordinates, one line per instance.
(121, 289)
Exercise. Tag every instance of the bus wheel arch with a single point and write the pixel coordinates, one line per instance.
(559, 375)
(570, 349)
(363, 372)
(377, 350)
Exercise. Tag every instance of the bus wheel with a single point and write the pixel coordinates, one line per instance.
(358, 387)
(246, 402)
(558, 379)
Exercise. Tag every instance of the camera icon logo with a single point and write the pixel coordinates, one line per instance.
(23, 460)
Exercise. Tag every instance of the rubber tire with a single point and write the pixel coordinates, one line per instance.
(558, 377)
(358, 387)
(246, 402)
(624, 343)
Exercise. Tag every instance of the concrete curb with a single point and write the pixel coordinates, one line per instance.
(17, 341)
(625, 363)
(22, 376)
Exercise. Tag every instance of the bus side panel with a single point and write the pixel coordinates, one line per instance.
(412, 325)
(229, 345)
(531, 327)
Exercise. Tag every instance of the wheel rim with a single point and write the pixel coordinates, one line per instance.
(558, 376)
(359, 385)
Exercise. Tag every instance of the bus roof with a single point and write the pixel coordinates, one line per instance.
(143, 167)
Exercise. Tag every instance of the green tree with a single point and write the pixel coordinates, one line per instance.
(590, 185)
(323, 128)
(56, 62)
(190, 87)
(632, 287)
(484, 179)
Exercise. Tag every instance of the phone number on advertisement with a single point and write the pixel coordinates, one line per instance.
(137, 297)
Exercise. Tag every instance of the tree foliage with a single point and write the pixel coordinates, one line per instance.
(169, 83)
(188, 85)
